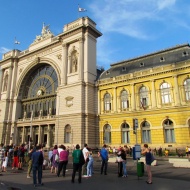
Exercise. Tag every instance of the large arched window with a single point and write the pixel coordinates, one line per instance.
(107, 134)
(143, 94)
(165, 93)
(124, 100)
(38, 91)
(146, 134)
(67, 134)
(107, 102)
(125, 133)
(187, 89)
(169, 133)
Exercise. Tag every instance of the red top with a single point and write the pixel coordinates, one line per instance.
(63, 156)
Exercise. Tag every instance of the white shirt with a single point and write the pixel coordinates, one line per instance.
(85, 152)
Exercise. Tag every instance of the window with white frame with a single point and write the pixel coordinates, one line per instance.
(107, 102)
(67, 134)
(146, 134)
(125, 133)
(169, 133)
(187, 89)
(143, 94)
(107, 134)
(165, 93)
(124, 100)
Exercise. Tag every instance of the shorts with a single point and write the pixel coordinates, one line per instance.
(21, 159)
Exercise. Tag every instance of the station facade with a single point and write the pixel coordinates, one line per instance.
(47, 92)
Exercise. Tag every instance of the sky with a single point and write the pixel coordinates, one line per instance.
(130, 28)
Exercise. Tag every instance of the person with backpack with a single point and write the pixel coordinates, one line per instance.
(78, 162)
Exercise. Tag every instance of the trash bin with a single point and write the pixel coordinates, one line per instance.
(140, 169)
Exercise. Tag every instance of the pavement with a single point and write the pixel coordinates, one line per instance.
(165, 177)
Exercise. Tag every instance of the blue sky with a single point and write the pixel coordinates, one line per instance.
(130, 28)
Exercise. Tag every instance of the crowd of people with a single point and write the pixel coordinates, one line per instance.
(82, 159)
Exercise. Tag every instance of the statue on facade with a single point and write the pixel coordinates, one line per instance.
(45, 33)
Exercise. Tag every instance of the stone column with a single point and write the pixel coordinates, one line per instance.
(1, 79)
(133, 104)
(176, 91)
(81, 59)
(40, 134)
(99, 102)
(9, 81)
(64, 62)
(153, 94)
(115, 100)
(48, 136)
(23, 135)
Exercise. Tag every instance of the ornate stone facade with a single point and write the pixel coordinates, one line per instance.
(51, 86)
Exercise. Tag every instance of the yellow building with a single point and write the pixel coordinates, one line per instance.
(154, 89)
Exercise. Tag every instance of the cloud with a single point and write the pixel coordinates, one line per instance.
(130, 17)
(4, 50)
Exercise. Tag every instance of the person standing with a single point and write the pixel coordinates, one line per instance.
(124, 162)
(77, 165)
(90, 165)
(104, 157)
(148, 160)
(63, 160)
(37, 162)
(54, 162)
(85, 154)
(15, 158)
(2, 154)
(187, 151)
(29, 162)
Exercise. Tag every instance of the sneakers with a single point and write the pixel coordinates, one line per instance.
(28, 177)
(124, 175)
(84, 176)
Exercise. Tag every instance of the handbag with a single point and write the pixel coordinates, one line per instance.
(57, 158)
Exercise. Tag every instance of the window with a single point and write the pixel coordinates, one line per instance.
(124, 100)
(143, 94)
(187, 89)
(169, 134)
(125, 133)
(107, 134)
(165, 93)
(107, 102)
(68, 134)
(5, 82)
(146, 136)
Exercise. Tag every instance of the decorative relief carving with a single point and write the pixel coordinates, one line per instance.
(69, 101)
(59, 56)
(20, 70)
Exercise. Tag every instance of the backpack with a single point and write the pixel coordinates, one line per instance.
(81, 159)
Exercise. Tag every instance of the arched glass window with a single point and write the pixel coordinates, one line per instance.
(38, 91)
(125, 133)
(107, 102)
(124, 100)
(107, 134)
(165, 93)
(5, 82)
(187, 89)
(143, 94)
(67, 134)
(169, 133)
(146, 135)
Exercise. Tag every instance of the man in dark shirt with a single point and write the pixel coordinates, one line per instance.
(37, 162)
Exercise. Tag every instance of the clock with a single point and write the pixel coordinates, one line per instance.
(39, 92)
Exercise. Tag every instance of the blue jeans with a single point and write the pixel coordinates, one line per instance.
(36, 168)
(89, 168)
(124, 168)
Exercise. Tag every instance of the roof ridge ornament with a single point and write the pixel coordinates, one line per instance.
(46, 33)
